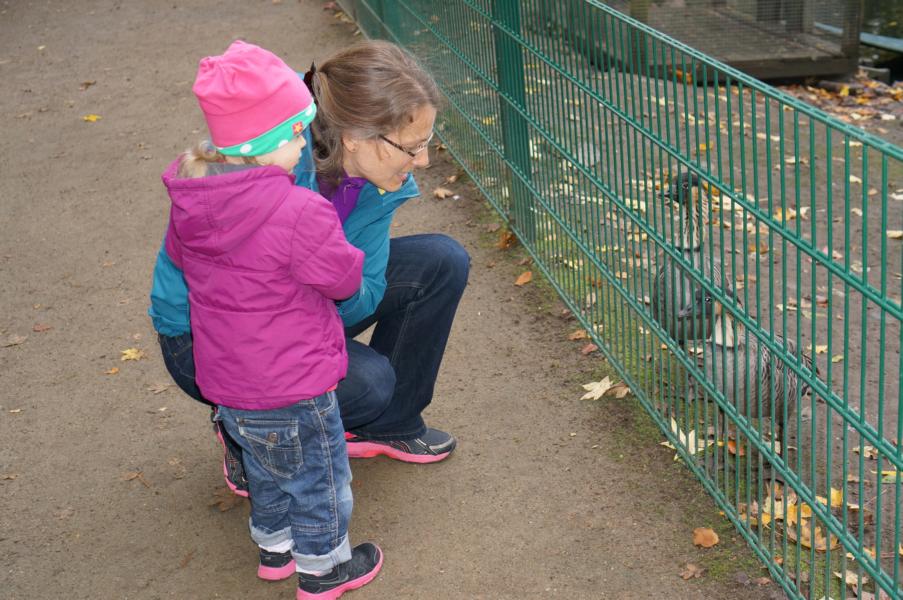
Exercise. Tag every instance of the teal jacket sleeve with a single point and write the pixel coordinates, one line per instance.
(373, 239)
(169, 297)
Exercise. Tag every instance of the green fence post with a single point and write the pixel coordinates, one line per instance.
(515, 134)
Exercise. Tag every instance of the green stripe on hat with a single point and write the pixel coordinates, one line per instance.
(276, 137)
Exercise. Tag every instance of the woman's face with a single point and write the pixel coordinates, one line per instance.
(385, 165)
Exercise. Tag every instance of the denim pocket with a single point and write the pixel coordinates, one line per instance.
(275, 444)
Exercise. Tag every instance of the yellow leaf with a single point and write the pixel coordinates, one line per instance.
(91, 118)
(596, 389)
(112, 371)
(524, 278)
(895, 234)
(855, 179)
(488, 120)
(844, 91)
(836, 498)
(618, 390)
(820, 348)
(703, 148)
(132, 354)
(442, 193)
(704, 537)
(580, 334)
(851, 578)
(837, 358)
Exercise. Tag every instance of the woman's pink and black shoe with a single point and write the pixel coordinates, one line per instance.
(432, 446)
(276, 566)
(366, 561)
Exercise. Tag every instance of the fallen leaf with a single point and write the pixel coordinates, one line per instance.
(451, 179)
(186, 559)
(9, 476)
(224, 499)
(506, 240)
(86, 84)
(867, 451)
(836, 498)
(158, 388)
(112, 371)
(837, 358)
(139, 475)
(91, 118)
(132, 354)
(493, 227)
(41, 327)
(579, 334)
(732, 448)
(820, 348)
(442, 193)
(895, 234)
(524, 278)
(14, 340)
(851, 578)
(618, 390)
(588, 349)
(692, 571)
(596, 389)
(855, 179)
(704, 537)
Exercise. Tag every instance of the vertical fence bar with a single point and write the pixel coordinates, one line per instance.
(515, 135)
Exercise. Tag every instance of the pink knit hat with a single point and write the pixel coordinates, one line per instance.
(253, 102)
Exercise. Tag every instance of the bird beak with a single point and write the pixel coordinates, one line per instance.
(686, 312)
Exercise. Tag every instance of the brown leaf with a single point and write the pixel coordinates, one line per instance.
(41, 327)
(506, 240)
(761, 581)
(451, 179)
(14, 340)
(224, 499)
(692, 571)
(588, 349)
(524, 278)
(139, 475)
(9, 476)
(442, 193)
(525, 261)
(112, 371)
(186, 559)
(158, 388)
(579, 334)
(705, 537)
(493, 227)
(618, 390)
(86, 84)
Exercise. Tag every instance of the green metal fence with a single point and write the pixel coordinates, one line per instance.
(576, 121)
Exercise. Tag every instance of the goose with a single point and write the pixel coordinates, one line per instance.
(744, 370)
(674, 288)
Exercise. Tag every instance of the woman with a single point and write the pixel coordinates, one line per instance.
(375, 113)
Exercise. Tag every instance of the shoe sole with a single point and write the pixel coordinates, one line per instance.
(229, 484)
(371, 449)
(345, 587)
(276, 573)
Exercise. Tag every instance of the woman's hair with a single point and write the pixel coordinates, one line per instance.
(368, 89)
(195, 160)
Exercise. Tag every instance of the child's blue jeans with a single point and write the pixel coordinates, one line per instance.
(300, 481)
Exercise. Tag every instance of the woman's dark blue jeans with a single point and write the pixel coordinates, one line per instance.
(390, 381)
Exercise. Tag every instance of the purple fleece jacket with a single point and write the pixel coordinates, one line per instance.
(264, 261)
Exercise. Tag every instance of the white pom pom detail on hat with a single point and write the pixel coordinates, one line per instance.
(246, 148)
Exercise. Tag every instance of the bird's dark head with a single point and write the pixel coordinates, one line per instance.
(705, 305)
(684, 186)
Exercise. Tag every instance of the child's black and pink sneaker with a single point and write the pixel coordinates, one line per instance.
(276, 566)
(233, 469)
(366, 561)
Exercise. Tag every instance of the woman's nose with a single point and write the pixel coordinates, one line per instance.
(422, 159)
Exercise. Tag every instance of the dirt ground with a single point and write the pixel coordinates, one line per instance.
(109, 479)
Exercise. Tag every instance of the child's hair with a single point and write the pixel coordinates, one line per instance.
(196, 159)
(369, 89)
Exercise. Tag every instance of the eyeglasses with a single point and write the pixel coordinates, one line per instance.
(412, 152)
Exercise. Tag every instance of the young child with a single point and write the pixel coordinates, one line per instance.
(265, 261)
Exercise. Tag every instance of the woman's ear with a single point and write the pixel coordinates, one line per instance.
(350, 144)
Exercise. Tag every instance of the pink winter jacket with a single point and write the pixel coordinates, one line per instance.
(264, 261)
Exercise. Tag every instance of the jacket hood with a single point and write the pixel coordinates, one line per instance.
(214, 214)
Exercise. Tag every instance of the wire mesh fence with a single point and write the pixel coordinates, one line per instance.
(734, 253)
